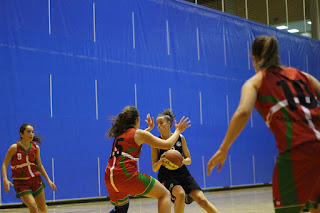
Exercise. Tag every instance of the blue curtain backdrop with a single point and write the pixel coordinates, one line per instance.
(67, 65)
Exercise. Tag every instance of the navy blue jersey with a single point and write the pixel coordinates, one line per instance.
(165, 173)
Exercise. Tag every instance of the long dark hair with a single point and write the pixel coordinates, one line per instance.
(123, 121)
(36, 138)
(167, 114)
(266, 49)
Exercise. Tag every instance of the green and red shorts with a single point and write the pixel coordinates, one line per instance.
(120, 185)
(33, 185)
(296, 179)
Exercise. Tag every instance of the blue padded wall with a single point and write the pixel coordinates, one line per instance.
(67, 65)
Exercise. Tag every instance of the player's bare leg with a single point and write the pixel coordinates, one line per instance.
(41, 202)
(163, 195)
(199, 197)
(29, 200)
(180, 195)
(315, 210)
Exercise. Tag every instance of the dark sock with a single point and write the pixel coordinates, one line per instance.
(120, 209)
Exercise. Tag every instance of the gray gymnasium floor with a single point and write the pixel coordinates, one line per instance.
(256, 200)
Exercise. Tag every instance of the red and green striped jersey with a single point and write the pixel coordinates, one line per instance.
(23, 163)
(124, 154)
(287, 102)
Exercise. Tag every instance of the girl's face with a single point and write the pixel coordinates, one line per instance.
(255, 61)
(163, 125)
(28, 134)
(138, 122)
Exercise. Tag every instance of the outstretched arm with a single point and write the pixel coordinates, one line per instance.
(142, 136)
(43, 171)
(241, 116)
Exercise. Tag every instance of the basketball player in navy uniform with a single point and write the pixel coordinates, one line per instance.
(183, 187)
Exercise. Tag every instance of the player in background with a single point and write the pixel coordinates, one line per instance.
(286, 98)
(183, 187)
(26, 166)
(121, 176)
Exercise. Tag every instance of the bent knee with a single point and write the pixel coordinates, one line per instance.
(180, 194)
(166, 193)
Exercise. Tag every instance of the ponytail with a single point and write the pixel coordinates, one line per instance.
(266, 49)
(37, 138)
(123, 121)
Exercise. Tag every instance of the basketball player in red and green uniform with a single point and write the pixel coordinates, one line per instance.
(287, 100)
(26, 166)
(183, 187)
(121, 175)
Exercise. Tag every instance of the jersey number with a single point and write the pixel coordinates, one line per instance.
(301, 96)
(119, 148)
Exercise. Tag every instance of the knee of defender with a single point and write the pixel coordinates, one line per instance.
(167, 193)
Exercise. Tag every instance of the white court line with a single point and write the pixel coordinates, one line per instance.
(135, 96)
(54, 193)
(133, 33)
(51, 96)
(198, 45)
(94, 21)
(168, 38)
(251, 119)
(225, 51)
(203, 172)
(227, 100)
(200, 99)
(254, 169)
(49, 16)
(170, 98)
(99, 177)
(230, 170)
(96, 94)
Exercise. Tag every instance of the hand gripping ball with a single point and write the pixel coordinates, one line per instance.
(174, 159)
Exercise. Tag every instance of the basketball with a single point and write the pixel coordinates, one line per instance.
(174, 159)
